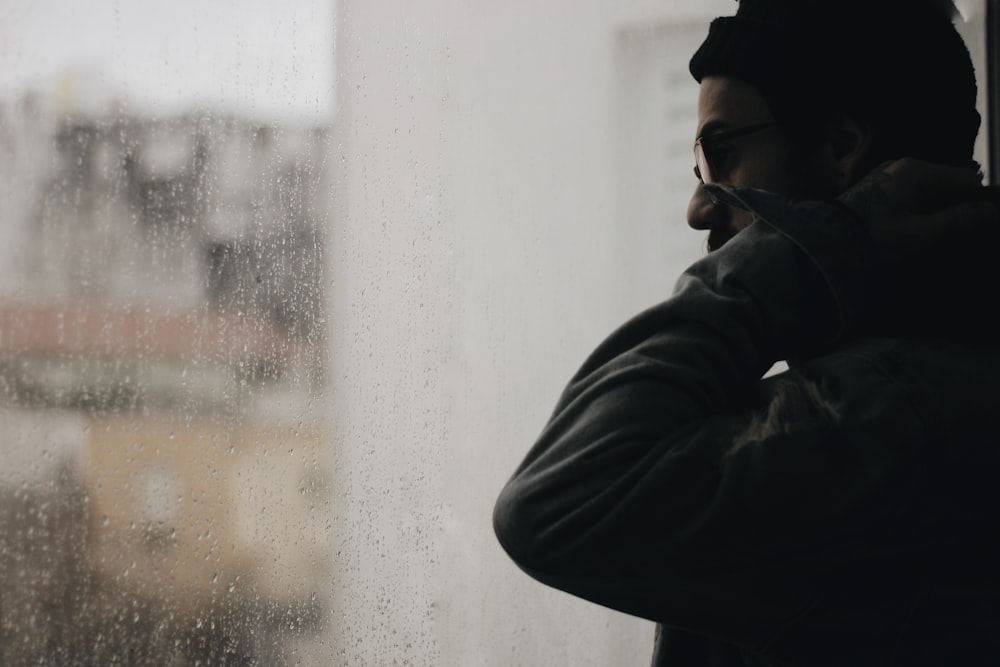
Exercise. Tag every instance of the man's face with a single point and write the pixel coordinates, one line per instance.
(740, 145)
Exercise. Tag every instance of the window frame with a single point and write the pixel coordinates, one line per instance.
(992, 80)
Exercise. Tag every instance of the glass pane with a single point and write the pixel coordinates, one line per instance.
(488, 235)
(286, 292)
(165, 493)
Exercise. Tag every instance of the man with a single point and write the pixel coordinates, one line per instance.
(843, 512)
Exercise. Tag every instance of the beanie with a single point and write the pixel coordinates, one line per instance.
(898, 65)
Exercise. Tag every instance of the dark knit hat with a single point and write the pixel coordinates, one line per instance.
(899, 65)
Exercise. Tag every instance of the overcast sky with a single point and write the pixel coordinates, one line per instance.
(263, 58)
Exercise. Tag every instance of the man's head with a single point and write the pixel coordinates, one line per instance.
(857, 82)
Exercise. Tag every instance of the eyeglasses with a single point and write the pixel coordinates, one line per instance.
(709, 151)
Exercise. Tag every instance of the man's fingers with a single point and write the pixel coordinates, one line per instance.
(923, 186)
(915, 235)
(965, 217)
(920, 234)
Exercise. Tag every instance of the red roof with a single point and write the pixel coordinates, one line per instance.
(110, 329)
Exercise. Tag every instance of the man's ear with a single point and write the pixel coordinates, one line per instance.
(849, 146)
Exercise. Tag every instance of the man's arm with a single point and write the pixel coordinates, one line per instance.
(655, 490)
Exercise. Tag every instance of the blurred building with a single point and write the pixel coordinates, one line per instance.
(161, 349)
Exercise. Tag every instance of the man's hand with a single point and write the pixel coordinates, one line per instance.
(936, 236)
(910, 206)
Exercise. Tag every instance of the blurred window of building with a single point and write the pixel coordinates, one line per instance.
(163, 362)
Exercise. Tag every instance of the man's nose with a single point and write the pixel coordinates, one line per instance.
(704, 212)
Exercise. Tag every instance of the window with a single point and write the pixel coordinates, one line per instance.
(286, 292)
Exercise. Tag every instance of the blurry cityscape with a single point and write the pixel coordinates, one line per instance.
(164, 489)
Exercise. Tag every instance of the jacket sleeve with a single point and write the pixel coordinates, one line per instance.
(660, 489)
